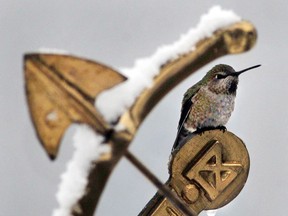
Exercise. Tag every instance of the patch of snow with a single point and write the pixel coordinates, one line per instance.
(45, 50)
(88, 148)
(52, 116)
(211, 212)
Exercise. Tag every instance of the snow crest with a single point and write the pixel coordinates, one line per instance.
(88, 148)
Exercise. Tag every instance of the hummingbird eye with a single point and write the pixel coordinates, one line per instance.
(219, 76)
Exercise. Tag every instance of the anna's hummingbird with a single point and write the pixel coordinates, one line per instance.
(209, 103)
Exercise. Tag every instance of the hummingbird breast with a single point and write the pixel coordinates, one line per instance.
(209, 109)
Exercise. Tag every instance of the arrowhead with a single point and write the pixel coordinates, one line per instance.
(61, 90)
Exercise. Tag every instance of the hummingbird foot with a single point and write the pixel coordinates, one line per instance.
(222, 128)
(200, 131)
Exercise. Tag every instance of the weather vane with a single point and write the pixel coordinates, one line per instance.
(207, 168)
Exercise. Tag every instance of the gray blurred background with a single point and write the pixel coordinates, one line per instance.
(116, 33)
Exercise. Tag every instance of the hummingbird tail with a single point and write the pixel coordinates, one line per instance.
(181, 136)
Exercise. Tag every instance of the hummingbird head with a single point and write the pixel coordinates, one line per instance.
(223, 79)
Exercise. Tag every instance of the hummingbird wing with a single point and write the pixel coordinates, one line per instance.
(185, 111)
(182, 132)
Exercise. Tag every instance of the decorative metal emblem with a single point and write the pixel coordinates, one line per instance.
(207, 172)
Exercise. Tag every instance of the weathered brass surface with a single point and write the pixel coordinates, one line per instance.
(207, 172)
(57, 96)
(160, 206)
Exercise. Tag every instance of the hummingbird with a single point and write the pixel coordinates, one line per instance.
(209, 103)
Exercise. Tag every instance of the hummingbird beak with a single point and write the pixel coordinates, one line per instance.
(242, 71)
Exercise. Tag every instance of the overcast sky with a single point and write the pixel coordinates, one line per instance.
(116, 33)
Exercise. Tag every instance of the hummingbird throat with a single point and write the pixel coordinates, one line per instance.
(233, 87)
